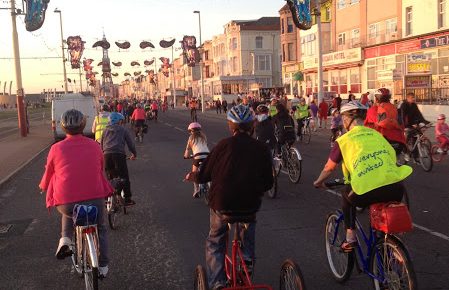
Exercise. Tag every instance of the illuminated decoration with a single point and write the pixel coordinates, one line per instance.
(165, 67)
(114, 74)
(100, 63)
(151, 76)
(90, 76)
(35, 14)
(145, 44)
(123, 45)
(148, 62)
(167, 44)
(190, 50)
(137, 73)
(127, 74)
(134, 63)
(102, 43)
(301, 13)
(118, 64)
(75, 46)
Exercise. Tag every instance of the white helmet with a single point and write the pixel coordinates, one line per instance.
(354, 108)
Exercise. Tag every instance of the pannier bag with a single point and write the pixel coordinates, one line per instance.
(84, 215)
(390, 218)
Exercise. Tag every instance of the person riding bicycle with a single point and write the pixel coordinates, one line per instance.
(272, 107)
(74, 175)
(113, 142)
(336, 124)
(442, 133)
(138, 117)
(154, 109)
(237, 189)
(301, 113)
(197, 144)
(264, 128)
(100, 122)
(411, 116)
(369, 167)
(284, 128)
(193, 106)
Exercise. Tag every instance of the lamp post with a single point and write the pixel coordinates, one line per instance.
(201, 62)
(317, 13)
(62, 48)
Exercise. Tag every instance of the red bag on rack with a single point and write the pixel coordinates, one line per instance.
(391, 217)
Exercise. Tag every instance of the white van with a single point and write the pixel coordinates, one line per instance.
(82, 102)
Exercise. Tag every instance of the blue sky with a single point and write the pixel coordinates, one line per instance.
(132, 20)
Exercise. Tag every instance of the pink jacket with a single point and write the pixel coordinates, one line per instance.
(138, 114)
(74, 172)
(441, 129)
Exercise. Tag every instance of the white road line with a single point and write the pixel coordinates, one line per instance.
(427, 230)
(179, 129)
(169, 125)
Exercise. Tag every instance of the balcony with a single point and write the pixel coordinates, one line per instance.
(382, 37)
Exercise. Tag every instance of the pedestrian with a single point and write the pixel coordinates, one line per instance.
(218, 106)
(224, 104)
(314, 109)
(322, 113)
(336, 125)
(336, 103)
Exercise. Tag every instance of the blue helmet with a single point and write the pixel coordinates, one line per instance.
(115, 118)
(240, 114)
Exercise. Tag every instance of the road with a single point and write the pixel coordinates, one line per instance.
(158, 245)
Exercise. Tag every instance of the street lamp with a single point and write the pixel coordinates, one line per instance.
(201, 62)
(62, 47)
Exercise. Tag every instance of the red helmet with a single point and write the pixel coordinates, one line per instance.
(441, 117)
(383, 95)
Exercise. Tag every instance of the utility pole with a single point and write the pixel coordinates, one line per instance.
(201, 63)
(62, 48)
(20, 91)
(173, 75)
(320, 52)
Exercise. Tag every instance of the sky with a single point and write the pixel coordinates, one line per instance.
(131, 20)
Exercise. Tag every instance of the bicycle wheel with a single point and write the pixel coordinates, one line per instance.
(291, 277)
(425, 157)
(76, 256)
(111, 208)
(272, 193)
(307, 134)
(294, 167)
(391, 264)
(90, 273)
(436, 157)
(340, 263)
(200, 282)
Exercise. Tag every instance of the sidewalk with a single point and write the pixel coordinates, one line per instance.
(17, 151)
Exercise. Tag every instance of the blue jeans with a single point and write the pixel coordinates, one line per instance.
(216, 248)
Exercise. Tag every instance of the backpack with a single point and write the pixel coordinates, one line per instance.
(286, 130)
(387, 116)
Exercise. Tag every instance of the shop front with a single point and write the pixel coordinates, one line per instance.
(291, 79)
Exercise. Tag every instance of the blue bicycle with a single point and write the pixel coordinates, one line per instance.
(383, 256)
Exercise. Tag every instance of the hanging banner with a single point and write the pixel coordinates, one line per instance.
(301, 13)
(87, 65)
(190, 51)
(35, 14)
(75, 46)
(165, 66)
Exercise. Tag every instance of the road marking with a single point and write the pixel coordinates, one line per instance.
(179, 129)
(427, 230)
(169, 125)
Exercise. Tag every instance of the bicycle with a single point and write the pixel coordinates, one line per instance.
(337, 134)
(292, 160)
(438, 153)
(85, 245)
(203, 188)
(115, 203)
(420, 147)
(237, 272)
(386, 260)
(306, 132)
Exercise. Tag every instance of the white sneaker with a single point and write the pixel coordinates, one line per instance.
(63, 250)
(406, 157)
(103, 271)
(440, 151)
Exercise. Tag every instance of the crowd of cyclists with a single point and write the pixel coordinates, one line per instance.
(375, 132)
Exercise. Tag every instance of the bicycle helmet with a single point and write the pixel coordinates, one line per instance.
(115, 118)
(441, 117)
(240, 114)
(354, 109)
(73, 122)
(333, 111)
(138, 106)
(194, 126)
(262, 109)
(382, 95)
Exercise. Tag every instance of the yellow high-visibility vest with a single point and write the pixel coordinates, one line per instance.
(100, 125)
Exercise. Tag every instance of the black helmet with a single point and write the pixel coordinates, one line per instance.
(73, 122)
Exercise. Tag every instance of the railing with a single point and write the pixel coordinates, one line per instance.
(435, 96)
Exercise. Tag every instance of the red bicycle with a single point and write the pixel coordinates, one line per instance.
(237, 272)
(438, 153)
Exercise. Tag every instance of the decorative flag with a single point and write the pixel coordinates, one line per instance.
(35, 14)
(190, 50)
(75, 46)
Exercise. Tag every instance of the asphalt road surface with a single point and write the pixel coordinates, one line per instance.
(159, 243)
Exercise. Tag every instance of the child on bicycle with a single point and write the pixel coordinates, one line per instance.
(442, 133)
(336, 125)
(197, 145)
(74, 175)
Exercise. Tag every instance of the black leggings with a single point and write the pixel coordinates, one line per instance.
(115, 166)
(351, 200)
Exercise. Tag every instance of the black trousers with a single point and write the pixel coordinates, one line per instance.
(351, 200)
(116, 167)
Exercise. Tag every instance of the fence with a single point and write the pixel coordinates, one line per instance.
(435, 96)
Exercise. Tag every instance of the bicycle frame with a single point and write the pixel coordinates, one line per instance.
(89, 235)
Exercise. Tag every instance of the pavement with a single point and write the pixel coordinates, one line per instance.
(159, 243)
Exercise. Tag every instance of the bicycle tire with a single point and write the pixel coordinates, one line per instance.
(200, 280)
(307, 134)
(333, 247)
(294, 166)
(425, 158)
(436, 157)
(272, 193)
(90, 273)
(399, 252)
(111, 209)
(291, 277)
(76, 258)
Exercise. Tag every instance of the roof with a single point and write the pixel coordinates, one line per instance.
(263, 23)
(285, 8)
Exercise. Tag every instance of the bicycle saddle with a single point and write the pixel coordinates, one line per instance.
(238, 218)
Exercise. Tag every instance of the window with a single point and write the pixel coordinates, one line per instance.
(289, 25)
(408, 20)
(291, 52)
(233, 44)
(352, 2)
(341, 4)
(441, 13)
(355, 37)
(341, 38)
(206, 55)
(283, 52)
(373, 30)
(263, 62)
(259, 42)
(208, 72)
(235, 65)
(391, 25)
(282, 26)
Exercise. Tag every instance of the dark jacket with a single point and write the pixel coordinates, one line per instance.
(265, 132)
(411, 115)
(115, 138)
(240, 169)
(285, 127)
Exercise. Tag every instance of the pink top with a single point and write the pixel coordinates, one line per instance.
(74, 172)
(138, 114)
(441, 129)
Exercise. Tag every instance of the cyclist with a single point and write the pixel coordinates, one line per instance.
(336, 124)
(411, 115)
(442, 133)
(138, 117)
(264, 128)
(154, 109)
(236, 189)
(284, 126)
(273, 110)
(369, 167)
(193, 105)
(301, 113)
(100, 122)
(74, 175)
(113, 142)
(197, 144)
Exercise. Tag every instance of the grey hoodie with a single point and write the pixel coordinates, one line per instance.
(114, 139)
